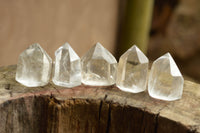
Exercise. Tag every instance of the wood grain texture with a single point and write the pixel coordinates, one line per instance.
(87, 109)
(51, 23)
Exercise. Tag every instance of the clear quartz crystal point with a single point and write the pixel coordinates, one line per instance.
(67, 67)
(132, 71)
(34, 67)
(165, 79)
(98, 67)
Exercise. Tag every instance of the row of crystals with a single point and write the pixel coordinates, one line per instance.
(99, 68)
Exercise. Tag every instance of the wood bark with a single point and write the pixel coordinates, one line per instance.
(85, 109)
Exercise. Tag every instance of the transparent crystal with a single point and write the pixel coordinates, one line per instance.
(67, 67)
(98, 67)
(165, 79)
(132, 71)
(34, 67)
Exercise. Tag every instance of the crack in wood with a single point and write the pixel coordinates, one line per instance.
(109, 119)
(105, 97)
(143, 121)
(7, 86)
(156, 123)
(100, 106)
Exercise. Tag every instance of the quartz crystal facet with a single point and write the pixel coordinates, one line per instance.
(34, 67)
(165, 79)
(98, 67)
(132, 71)
(67, 67)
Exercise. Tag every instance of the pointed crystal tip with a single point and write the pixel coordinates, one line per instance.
(165, 79)
(34, 67)
(67, 48)
(98, 47)
(98, 66)
(66, 45)
(173, 67)
(141, 56)
(133, 47)
(67, 69)
(132, 71)
(99, 44)
(35, 45)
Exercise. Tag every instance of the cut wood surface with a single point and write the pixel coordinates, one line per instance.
(85, 109)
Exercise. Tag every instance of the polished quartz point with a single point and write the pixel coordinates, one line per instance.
(67, 67)
(165, 79)
(132, 71)
(98, 67)
(34, 67)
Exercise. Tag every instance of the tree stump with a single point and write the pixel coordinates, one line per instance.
(85, 109)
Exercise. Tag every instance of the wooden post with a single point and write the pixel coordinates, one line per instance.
(84, 109)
